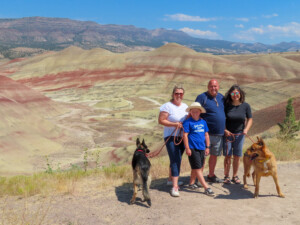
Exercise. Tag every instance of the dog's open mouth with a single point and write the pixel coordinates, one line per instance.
(254, 156)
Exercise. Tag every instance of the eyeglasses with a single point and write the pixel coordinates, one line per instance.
(235, 93)
(178, 93)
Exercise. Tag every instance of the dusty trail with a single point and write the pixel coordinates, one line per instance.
(232, 204)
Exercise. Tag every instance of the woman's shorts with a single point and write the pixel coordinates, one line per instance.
(235, 147)
(197, 159)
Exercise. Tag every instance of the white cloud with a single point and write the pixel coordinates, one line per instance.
(239, 25)
(270, 16)
(289, 30)
(200, 33)
(183, 17)
(213, 26)
(243, 19)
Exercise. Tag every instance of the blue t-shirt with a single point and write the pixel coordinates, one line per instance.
(215, 114)
(196, 130)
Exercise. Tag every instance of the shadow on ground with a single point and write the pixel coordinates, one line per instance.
(223, 191)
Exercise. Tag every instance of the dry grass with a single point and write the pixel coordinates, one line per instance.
(285, 150)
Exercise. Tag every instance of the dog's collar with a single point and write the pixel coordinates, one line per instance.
(140, 150)
(264, 160)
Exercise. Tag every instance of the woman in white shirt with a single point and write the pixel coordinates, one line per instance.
(171, 115)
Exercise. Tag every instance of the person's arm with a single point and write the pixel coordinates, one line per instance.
(186, 144)
(163, 120)
(207, 142)
(248, 125)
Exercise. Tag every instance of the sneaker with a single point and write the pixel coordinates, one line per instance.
(209, 192)
(175, 193)
(170, 183)
(193, 186)
(214, 179)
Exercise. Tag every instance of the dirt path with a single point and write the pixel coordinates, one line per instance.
(232, 204)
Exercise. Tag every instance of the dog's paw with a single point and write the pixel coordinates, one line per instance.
(281, 195)
(255, 195)
(132, 202)
(245, 186)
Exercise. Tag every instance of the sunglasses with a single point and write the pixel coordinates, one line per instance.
(178, 93)
(235, 93)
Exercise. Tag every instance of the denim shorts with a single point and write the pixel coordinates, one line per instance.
(175, 155)
(235, 147)
(216, 145)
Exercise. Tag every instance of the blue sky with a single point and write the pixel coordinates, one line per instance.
(249, 21)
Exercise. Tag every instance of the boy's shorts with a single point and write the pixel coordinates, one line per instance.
(197, 159)
(216, 145)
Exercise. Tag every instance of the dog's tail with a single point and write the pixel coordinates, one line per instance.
(146, 183)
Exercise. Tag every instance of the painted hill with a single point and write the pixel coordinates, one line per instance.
(102, 101)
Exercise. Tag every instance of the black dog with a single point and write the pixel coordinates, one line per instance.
(141, 171)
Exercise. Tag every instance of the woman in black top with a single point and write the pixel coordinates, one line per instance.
(238, 122)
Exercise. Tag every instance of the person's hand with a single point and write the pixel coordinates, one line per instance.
(179, 125)
(227, 133)
(207, 151)
(245, 131)
(188, 152)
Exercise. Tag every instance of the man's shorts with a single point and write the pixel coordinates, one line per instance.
(216, 145)
(197, 159)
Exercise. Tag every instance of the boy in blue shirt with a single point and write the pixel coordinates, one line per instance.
(196, 142)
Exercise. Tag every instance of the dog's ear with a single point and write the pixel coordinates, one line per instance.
(260, 141)
(137, 141)
(143, 143)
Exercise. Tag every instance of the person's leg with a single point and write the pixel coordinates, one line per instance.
(237, 154)
(200, 177)
(174, 153)
(212, 162)
(227, 152)
(227, 164)
(216, 146)
(235, 165)
(170, 175)
(193, 177)
(198, 168)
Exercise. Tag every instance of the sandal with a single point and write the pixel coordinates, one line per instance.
(236, 180)
(227, 180)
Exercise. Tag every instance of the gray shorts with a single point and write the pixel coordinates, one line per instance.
(216, 145)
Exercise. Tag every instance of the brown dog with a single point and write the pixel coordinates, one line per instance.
(263, 160)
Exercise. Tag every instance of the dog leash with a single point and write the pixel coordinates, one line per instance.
(156, 153)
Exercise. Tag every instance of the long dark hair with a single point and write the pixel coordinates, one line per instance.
(228, 100)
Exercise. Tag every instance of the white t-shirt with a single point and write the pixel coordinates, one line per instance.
(176, 114)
